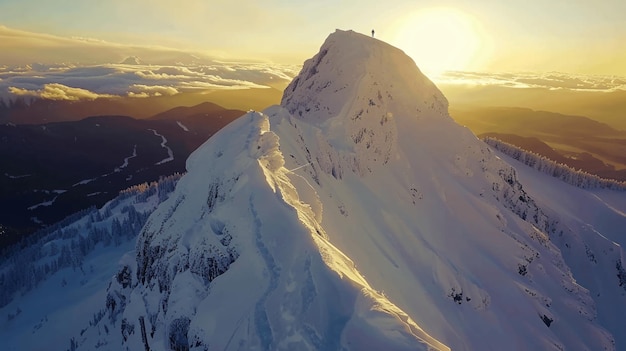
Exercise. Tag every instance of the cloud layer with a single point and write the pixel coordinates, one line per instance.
(57, 91)
(74, 82)
(552, 80)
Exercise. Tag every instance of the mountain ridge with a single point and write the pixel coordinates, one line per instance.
(358, 215)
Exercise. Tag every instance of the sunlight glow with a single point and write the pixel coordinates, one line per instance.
(440, 39)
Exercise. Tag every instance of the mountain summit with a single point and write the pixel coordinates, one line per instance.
(132, 60)
(358, 215)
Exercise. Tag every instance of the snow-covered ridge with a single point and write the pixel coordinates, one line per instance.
(236, 221)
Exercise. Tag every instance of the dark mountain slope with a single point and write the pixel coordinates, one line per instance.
(51, 170)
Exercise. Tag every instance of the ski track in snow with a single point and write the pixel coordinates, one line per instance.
(170, 153)
(260, 314)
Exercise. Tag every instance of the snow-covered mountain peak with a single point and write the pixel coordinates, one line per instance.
(132, 60)
(352, 71)
(358, 215)
(359, 92)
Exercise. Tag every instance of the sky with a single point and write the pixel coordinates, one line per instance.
(574, 36)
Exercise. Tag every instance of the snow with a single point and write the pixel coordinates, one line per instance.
(56, 311)
(358, 215)
(16, 176)
(170, 153)
(126, 159)
(86, 181)
(49, 202)
(36, 220)
(45, 203)
(126, 163)
(182, 126)
(599, 218)
(247, 189)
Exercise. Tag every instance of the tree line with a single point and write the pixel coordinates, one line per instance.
(561, 171)
(66, 244)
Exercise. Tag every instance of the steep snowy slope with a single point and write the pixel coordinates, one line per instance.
(597, 222)
(358, 216)
(234, 260)
(429, 214)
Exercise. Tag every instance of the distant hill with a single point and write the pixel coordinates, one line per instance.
(577, 141)
(527, 122)
(201, 117)
(40, 111)
(582, 160)
(22, 111)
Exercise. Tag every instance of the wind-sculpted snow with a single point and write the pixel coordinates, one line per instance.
(276, 283)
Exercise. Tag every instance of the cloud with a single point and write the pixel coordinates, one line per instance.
(57, 91)
(141, 90)
(92, 81)
(551, 81)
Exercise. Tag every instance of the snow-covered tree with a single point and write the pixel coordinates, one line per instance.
(67, 243)
(561, 171)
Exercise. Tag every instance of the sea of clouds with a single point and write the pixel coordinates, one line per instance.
(74, 82)
(524, 80)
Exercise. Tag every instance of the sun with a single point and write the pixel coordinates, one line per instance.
(439, 39)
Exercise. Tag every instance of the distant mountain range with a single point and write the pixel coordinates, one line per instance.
(51, 170)
(20, 110)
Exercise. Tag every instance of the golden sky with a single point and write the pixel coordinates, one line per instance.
(575, 36)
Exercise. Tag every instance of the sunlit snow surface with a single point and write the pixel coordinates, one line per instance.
(358, 216)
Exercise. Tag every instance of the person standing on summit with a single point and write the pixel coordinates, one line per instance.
(372, 33)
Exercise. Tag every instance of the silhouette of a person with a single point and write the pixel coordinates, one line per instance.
(372, 33)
